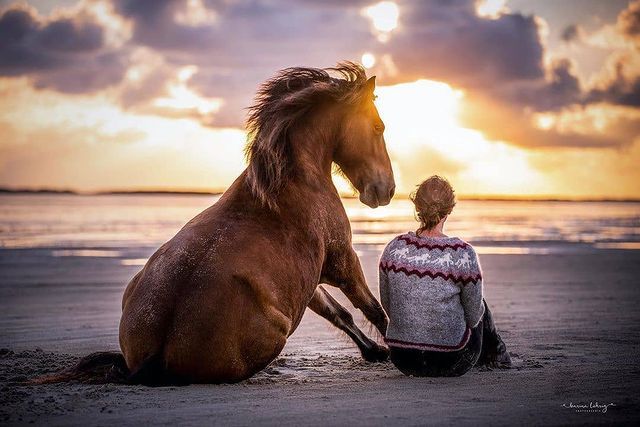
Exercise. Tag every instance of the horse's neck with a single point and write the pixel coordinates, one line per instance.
(312, 160)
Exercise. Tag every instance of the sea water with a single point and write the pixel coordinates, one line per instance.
(91, 224)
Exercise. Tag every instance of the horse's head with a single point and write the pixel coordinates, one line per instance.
(338, 111)
(361, 152)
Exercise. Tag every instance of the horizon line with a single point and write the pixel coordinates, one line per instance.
(215, 192)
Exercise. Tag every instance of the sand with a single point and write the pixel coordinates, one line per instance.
(571, 321)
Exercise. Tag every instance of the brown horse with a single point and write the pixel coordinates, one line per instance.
(217, 302)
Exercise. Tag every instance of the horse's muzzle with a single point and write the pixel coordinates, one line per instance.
(378, 194)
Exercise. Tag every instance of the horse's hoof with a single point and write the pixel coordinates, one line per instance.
(376, 354)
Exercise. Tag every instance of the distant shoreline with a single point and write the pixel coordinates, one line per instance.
(110, 193)
(66, 192)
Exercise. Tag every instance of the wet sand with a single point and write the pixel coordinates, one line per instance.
(571, 320)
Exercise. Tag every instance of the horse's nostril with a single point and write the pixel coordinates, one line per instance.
(392, 191)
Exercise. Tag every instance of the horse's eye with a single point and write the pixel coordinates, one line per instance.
(379, 127)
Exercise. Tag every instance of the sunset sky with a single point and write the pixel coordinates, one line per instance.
(513, 98)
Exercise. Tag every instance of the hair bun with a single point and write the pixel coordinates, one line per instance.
(434, 199)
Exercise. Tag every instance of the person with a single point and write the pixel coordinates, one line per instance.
(431, 289)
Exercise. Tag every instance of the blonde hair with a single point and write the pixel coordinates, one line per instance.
(433, 199)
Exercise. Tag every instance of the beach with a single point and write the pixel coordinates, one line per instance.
(565, 300)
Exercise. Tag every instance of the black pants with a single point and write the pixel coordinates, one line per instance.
(484, 341)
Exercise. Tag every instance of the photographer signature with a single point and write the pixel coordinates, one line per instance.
(589, 407)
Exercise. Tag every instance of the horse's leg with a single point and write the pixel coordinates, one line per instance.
(346, 274)
(326, 306)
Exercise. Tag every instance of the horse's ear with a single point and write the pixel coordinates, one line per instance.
(370, 85)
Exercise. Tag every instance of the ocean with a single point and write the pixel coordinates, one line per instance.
(102, 225)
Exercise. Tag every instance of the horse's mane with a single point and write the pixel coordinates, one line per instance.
(279, 104)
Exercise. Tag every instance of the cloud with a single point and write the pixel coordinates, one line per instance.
(244, 43)
(83, 142)
(571, 33)
(629, 21)
(622, 85)
(499, 60)
(618, 82)
(590, 126)
(619, 88)
(501, 57)
(503, 65)
(67, 53)
(448, 41)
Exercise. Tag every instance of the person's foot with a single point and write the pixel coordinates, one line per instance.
(498, 358)
(502, 360)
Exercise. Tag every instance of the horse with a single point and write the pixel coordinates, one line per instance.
(217, 302)
(465, 261)
(444, 260)
(425, 257)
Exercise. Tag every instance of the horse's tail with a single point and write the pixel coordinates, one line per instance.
(106, 367)
(97, 368)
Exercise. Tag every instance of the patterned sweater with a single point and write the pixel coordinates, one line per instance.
(431, 288)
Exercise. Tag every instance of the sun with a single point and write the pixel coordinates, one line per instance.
(384, 17)
(368, 60)
(424, 136)
(418, 110)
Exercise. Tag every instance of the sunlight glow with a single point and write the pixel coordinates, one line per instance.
(368, 60)
(92, 137)
(544, 121)
(491, 8)
(384, 17)
(414, 110)
(117, 29)
(181, 97)
(424, 136)
(194, 14)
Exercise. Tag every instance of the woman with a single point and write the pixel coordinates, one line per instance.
(431, 288)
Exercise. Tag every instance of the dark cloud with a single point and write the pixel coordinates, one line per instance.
(629, 20)
(560, 88)
(622, 86)
(154, 25)
(20, 51)
(69, 36)
(563, 85)
(449, 41)
(66, 54)
(88, 75)
(247, 42)
(501, 57)
(619, 89)
(501, 63)
(571, 33)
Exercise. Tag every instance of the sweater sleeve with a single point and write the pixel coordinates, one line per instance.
(471, 294)
(384, 289)
(384, 279)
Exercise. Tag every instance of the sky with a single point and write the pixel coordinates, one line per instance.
(504, 98)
